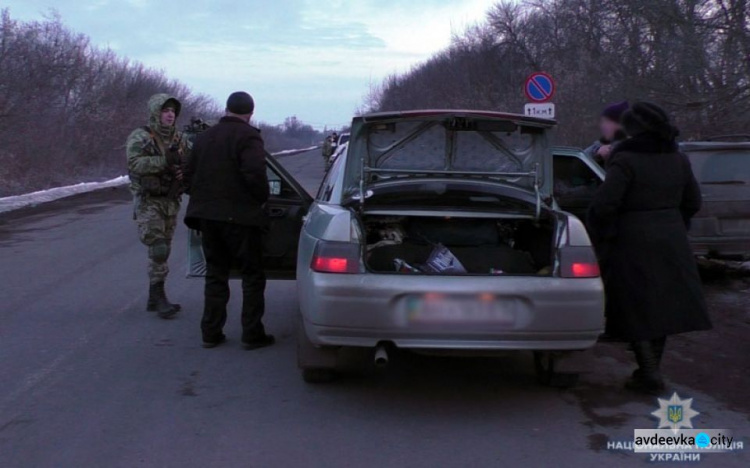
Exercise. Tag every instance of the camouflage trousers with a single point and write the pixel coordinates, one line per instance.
(157, 219)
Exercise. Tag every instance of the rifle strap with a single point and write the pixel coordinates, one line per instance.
(159, 142)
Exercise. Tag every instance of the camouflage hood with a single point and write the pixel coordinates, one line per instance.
(155, 105)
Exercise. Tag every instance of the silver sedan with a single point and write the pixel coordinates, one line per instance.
(435, 231)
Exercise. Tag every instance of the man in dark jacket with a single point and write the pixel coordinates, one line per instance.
(638, 222)
(228, 186)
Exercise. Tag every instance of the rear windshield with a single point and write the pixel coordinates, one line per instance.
(731, 167)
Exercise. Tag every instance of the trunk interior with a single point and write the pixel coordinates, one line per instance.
(482, 246)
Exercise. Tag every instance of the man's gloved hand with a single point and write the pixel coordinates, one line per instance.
(173, 155)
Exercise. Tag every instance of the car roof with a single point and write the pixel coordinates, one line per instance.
(413, 114)
(714, 145)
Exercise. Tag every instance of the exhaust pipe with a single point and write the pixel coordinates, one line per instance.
(381, 356)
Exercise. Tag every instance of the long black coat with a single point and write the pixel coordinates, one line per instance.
(638, 222)
(226, 176)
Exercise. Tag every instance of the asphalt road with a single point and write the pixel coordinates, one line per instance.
(91, 379)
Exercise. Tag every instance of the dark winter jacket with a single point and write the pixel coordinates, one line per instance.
(226, 175)
(592, 150)
(638, 222)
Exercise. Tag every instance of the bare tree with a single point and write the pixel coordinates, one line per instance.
(693, 56)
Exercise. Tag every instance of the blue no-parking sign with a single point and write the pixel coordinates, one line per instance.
(540, 87)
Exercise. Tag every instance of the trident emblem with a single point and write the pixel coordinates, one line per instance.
(674, 413)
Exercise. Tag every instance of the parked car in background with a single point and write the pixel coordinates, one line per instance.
(722, 166)
(339, 151)
(343, 138)
(722, 227)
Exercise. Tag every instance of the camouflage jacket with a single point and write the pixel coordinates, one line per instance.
(146, 156)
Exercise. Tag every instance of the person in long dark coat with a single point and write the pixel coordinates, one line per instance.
(638, 222)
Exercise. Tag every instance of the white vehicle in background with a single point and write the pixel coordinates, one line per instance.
(343, 139)
(341, 149)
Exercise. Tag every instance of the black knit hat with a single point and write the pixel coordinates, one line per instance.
(240, 103)
(647, 117)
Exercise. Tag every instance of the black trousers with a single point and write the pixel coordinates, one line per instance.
(226, 245)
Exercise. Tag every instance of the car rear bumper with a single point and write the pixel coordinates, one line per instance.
(367, 309)
(721, 246)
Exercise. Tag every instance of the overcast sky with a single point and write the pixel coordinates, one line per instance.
(313, 59)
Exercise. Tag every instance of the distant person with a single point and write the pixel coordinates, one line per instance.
(638, 222)
(155, 153)
(228, 186)
(611, 132)
(327, 149)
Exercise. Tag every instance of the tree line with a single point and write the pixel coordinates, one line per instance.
(692, 56)
(67, 106)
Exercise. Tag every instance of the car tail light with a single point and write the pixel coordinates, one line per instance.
(336, 257)
(578, 262)
(585, 270)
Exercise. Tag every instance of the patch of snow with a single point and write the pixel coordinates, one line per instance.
(301, 150)
(44, 196)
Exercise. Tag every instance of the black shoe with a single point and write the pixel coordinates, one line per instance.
(214, 343)
(267, 340)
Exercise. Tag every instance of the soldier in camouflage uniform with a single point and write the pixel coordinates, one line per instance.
(155, 155)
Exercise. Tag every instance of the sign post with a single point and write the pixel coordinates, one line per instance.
(540, 89)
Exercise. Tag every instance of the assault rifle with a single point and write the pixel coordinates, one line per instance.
(195, 127)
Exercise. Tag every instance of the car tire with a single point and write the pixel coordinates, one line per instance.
(318, 376)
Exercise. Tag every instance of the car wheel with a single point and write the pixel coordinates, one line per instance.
(318, 376)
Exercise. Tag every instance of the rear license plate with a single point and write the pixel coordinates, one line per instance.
(438, 310)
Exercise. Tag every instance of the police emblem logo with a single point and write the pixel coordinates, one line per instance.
(674, 413)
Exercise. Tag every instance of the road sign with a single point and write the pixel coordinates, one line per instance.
(540, 87)
(544, 110)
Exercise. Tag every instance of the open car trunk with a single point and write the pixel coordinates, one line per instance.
(482, 246)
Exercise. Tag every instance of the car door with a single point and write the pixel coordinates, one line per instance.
(287, 205)
(576, 179)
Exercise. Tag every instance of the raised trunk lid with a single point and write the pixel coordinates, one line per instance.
(463, 144)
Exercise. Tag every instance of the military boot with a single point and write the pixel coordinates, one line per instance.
(647, 378)
(157, 302)
(151, 306)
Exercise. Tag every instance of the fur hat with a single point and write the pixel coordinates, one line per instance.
(648, 118)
